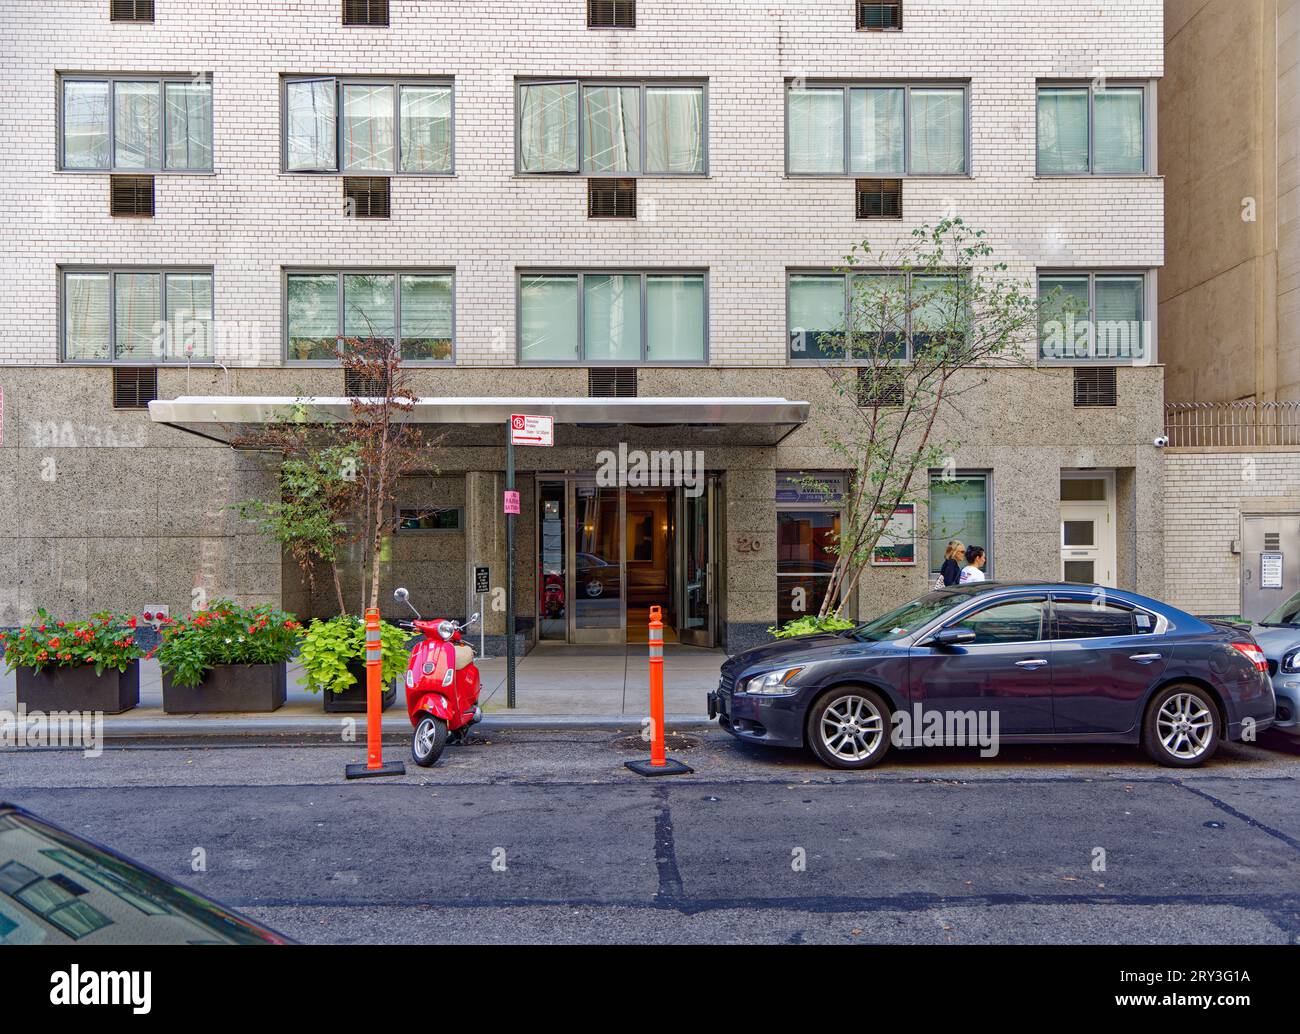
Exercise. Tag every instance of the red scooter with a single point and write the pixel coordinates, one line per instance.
(442, 684)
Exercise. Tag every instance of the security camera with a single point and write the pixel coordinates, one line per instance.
(1160, 441)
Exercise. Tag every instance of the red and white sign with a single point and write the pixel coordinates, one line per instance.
(511, 502)
(531, 430)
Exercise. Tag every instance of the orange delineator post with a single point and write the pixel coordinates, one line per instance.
(374, 765)
(659, 763)
(374, 692)
(656, 687)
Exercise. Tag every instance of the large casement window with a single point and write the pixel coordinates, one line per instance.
(960, 508)
(807, 525)
(368, 126)
(130, 123)
(324, 308)
(1093, 317)
(1086, 130)
(613, 317)
(876, 129)
(616, 128)
(136, 315)
(892, 312)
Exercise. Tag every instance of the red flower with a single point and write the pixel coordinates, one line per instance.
(130, 622)
(54, 642)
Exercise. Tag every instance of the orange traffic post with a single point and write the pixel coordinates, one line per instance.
(374, 765)
(659, 763)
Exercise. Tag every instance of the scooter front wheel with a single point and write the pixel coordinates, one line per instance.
(430, 738)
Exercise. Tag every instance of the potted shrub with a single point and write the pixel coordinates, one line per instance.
(333, 658)
(75, 665)
(227, 658)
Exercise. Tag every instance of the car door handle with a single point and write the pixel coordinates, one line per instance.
(1145, 658)
(1032, 663)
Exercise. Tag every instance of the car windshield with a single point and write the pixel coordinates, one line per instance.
(909, 617)
(1287, 614)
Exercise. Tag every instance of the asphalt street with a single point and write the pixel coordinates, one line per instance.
(544, 836)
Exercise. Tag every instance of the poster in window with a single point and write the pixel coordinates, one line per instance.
(897, 546)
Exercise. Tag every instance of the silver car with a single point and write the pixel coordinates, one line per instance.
(1278, 636)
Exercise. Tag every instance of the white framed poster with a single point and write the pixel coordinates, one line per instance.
(897, 546)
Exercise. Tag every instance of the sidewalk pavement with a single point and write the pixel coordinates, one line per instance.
(555, 685)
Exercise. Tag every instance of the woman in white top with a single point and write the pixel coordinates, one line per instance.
(974, 569)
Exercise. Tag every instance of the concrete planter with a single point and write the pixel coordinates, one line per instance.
(79, 689)
(228, 687)
(353, 699)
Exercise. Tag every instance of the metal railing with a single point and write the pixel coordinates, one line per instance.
(1232, 424)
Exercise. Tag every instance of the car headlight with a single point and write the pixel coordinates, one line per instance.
(1290, 662)
(772, 683)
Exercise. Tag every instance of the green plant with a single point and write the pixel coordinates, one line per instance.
(809, 624)
(106, 641)
(226, 633)
(328, 646)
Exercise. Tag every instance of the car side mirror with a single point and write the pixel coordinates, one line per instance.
(953, 637)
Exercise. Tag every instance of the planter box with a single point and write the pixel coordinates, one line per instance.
(228, 687)
(80, 689)
(353, 699)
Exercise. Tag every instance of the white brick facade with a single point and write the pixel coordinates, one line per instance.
(746, 222)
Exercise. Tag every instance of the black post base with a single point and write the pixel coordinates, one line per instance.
(671, 766)
(361, 771)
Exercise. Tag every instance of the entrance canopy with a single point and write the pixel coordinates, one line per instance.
(671, 422)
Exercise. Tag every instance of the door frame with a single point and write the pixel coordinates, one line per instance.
(705, 636)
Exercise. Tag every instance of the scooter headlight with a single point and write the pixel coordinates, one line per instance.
(446, 629)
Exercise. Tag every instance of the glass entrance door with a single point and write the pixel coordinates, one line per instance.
(597, 568)
(695, 567)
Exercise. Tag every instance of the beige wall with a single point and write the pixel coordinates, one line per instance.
(1229, 105)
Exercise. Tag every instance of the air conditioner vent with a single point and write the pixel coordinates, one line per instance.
(130, 10)
(611, 199)
(611, 14)
(1094, 386)
(134, 387)
(365, 12)
(610, 382)
(366, 197)
(131, 196)
(880, 199)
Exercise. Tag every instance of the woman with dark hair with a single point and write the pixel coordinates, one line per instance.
(975, 561)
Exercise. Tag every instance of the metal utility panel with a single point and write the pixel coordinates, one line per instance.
(1270, 562)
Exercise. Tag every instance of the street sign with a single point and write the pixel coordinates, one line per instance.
(482, 580)
(531, 430)
(512, 502)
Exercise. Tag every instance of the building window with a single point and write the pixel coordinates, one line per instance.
(807, 527)
(1093, 317)
(429, 519)
(324, 308)
(380, 126)
(616, 128)
(614, 317)
(959, 509)
(1085, 130)
(135, 123)
(136, 315)
(880, 15)
(892, 312)
(876, 129)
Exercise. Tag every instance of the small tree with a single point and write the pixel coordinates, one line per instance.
(945, 296)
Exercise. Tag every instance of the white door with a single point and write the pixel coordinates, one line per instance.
(1088, 528)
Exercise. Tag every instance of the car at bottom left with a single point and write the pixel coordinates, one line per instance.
(57, 887)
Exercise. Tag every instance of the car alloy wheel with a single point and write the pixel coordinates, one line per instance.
(850, 729)
(1185, 726)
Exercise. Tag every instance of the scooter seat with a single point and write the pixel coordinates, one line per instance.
(464, 655)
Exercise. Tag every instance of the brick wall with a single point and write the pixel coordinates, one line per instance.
(745, 222)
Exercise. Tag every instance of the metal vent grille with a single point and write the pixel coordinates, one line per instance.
(134, 387)
(130, 10)
(611, 14)
(611, 382)
(365, 12)
(357, 385)
(611, 199)
(880, 15)
(880, 386)
(130, 196)
(880, 199)
(1094, 386)
(1272, 541)
(366, 197)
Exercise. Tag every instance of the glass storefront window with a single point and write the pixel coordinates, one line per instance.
(807, 527)
(959, 509)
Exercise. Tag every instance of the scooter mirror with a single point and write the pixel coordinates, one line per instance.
(472, 621)
(401, 595)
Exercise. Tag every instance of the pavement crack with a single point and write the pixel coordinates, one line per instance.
(1236, 813)
(670, 877)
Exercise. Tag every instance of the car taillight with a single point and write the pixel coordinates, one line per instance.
(1253, 654)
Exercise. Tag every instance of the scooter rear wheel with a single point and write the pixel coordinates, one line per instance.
(430, 737)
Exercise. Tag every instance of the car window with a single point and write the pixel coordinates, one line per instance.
(1011, 621)
(910, 617)
(1287, 614)
(1095, 619)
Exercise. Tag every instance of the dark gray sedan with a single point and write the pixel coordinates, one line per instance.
(1004, 663)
